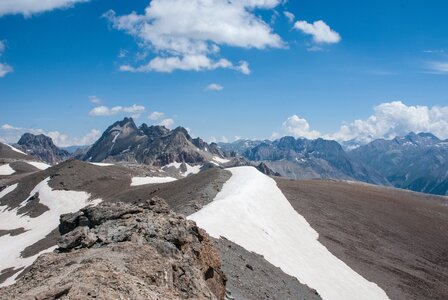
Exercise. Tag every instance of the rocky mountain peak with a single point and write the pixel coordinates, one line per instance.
(42, 147)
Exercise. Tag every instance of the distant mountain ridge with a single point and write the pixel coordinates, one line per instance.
(417, 162)
(151, 145)
(42, 147)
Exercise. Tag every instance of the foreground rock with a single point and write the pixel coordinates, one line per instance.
(125, 251)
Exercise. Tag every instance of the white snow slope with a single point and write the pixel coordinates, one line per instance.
(39, 165)
(136, 181)
(58, 202)
(15, 149)
(252, 212)
(6, 170)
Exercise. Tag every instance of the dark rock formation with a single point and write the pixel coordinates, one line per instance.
(125, 251)
(151, 145)
(263, 168)
(42, 147)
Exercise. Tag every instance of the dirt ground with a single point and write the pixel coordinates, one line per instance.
(395, 238)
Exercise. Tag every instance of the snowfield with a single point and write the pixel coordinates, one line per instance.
(136, 181)
(58, 202)
(220, 160)
(15, 149)
(251, 211)
(190, 169)
(101, 164)
(39, 165)
(6, 170)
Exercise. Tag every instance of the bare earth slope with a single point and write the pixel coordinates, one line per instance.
(395, 238)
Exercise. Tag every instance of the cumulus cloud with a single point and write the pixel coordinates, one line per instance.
(187, 34)
(393, 119)
(102, 111)
(320, 31)
(299, 127)
(168, 123)
(5, 69)
(11, 134)
(95, 100)
(156, 115)
(290, 16)
(30, 7)
(389, 120)
(214, 87)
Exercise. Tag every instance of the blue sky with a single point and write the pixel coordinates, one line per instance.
(384, 63)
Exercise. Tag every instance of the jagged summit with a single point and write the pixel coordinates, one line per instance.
(42, 147)
(152, 145)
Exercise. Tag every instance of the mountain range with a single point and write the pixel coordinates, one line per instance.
(418, 162)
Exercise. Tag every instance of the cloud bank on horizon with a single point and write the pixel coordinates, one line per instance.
(389, 120)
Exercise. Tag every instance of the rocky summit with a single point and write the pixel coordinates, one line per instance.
(151, 145)
(42, 147)
(125, 251)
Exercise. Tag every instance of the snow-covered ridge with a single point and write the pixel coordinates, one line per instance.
(251, 211)
(136, 181)
(58, 203)
(6, 170)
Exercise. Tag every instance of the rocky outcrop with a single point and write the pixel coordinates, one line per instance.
(151, 145)
(42, 147)
(125, 251)
(263, 168)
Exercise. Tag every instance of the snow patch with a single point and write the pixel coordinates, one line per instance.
(39, 165)
(8, 190)
(16, 150)
(251, 211)
(220, 160)
(6, 170)
(136, 181)
(190, 169)
(58, 203)
(101, 164)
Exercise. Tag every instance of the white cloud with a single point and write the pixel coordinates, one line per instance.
(187, 34)
(186, 63)
(95, 100)
(393, 119)
(221, 139)
(168, 123)
(290, 16)
(2, 47)
(101, 111)
(321, 32)
(5, 69)
(30, 7)
(299, 127)
(11, 134)
(214, 87)
(438, 67)
(156, 115)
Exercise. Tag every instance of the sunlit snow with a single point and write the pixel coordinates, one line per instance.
(252, 212)
(6, 170)
(15, 149)
(39, 165)
(58, 202)
(136, 181)
(101, 164)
